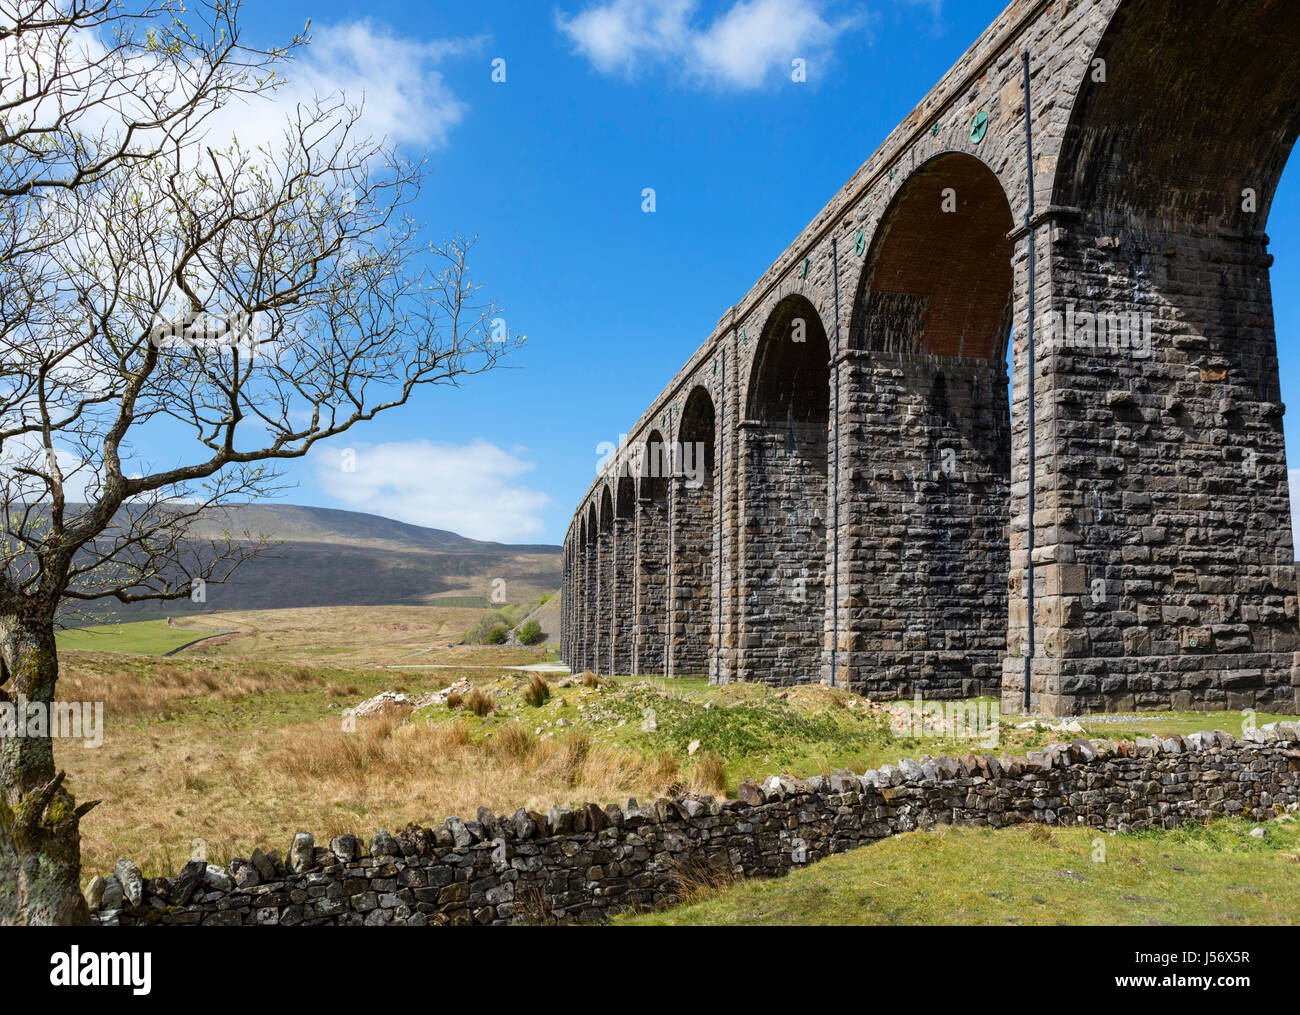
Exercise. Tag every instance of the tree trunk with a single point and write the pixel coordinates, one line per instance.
(40, 844)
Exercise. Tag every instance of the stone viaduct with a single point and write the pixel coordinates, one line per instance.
(869, 474)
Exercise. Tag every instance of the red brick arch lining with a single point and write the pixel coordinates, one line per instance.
(939, 278)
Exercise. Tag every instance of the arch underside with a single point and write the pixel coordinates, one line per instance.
(784, 459)
(927, 426)
(694, 540)
(652, 558)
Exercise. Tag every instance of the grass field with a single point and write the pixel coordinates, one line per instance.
(148, 637)
(1216, 875)
(239, 743)
(366, 636)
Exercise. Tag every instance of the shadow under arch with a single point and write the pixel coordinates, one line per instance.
(589, 572)
(927, 441)
(604, 641)
(784, 462)
(623, 608)
(694, 536)
(653, 470)
(938, 275)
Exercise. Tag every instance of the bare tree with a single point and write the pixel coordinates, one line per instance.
(87, 86)
(244, 303)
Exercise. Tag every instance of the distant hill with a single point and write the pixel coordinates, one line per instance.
(324, 525)
(347, 558)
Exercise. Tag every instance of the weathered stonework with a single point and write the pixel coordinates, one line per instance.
(585, 865)
(871, 520)
(651, 619)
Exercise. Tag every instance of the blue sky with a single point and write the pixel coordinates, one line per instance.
(548, 169)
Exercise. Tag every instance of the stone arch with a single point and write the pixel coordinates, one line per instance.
(606, 513)
(925, 403)
(1200, 100)
(623, 615)
(1157, 327)
(625, 501)
(694, 535)
(587, 575)
(938, 278)
(604, 582)
(786, 372)
(784, 462)
(653, 470)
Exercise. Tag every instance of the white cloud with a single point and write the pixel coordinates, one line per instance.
(406, 98)
(394, 78)
(748, 45)
(471, 489)
(26, 451)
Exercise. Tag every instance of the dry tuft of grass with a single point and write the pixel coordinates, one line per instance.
(512, 742)
(146, 686)
(330, 752)
(667, 766)
(454, 700)
(533, 907)
(451, 736)
(590, 679)
(387, 772)
(572, 758)
(695, 877)
(538, 691)
(480, 702)
(710, 773)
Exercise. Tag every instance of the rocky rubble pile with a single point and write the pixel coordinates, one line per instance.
(396, 699)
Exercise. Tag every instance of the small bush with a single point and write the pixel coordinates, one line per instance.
(480, 703)
(454, 700)
(530, 633)
(486, 628)
(590, 679)
(538, 691)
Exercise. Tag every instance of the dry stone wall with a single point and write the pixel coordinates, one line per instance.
(585, 865)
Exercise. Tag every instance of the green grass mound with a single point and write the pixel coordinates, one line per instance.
(145, 637)
(1195, 875)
